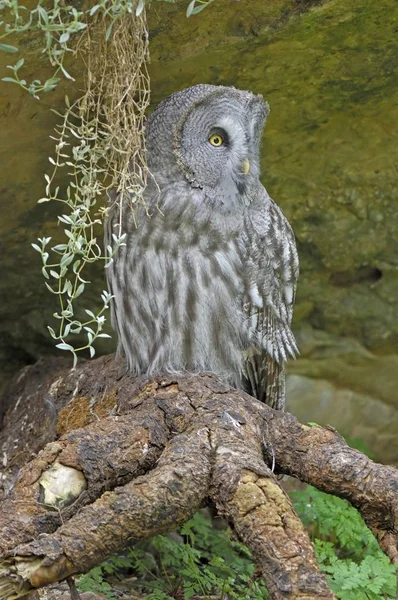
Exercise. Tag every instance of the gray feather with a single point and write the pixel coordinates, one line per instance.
(207, 281)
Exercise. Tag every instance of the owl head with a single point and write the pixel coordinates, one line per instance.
(208, 136)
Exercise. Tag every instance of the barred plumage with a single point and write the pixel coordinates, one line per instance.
(207, 281)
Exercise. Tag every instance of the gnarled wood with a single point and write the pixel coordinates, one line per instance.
(172, 442)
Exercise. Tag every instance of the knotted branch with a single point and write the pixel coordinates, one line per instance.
(151, 504)
(170, 444)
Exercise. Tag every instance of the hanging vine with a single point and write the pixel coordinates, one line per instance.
(99, 140)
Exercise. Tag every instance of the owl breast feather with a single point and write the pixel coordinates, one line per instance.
(195, 290)
(178, 288)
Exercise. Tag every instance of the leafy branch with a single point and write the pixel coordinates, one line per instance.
(57, 24)
(100, 142)
(100, 139)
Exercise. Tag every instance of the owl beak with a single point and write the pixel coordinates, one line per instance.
(245, 166)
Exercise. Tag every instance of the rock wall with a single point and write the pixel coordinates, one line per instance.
(329, 71)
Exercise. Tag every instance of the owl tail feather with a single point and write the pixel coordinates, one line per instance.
(264, 378)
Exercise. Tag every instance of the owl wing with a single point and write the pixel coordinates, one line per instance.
(273, 269)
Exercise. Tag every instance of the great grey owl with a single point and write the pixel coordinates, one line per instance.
(207, 278)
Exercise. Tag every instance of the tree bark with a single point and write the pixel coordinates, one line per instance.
(139, 457)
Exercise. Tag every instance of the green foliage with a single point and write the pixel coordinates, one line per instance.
(97, 141)
(58, 24)
(94, 581)
(206, 561)
(100, 140)
(63, 264)
(346, 549)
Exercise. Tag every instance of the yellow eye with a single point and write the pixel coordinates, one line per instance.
(216, 140)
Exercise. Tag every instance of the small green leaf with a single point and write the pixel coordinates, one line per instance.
(43, 14)
(69, 288)
(140, 8)
(66, 260)
(64, 38)
(194, 9)
(19, 64)
(109, 31)
(51, 83)
(8, 48)
(79, 290)
(199, 8)
(65, 72)
(9, 79)
(190, 8)
(64, 219)
(64, 346)
(94, 9)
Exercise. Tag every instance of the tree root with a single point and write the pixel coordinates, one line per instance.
(173, 443)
